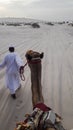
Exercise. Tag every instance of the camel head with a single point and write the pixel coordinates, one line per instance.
(33, 55)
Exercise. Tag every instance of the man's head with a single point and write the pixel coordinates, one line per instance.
(11, 49)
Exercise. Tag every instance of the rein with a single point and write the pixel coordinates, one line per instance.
(22, 77)
(22, 73)
(33, 61)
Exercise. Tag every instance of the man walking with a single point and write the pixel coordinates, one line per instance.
(13, 64)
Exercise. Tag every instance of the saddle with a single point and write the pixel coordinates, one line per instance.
(42, 118)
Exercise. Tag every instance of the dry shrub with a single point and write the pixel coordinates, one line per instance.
(71, 24)
(27, 24)
(1, 23)
(61, 22)
(13, 24)
(49, 23)
(35, 25)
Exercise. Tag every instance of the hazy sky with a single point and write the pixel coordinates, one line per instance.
(38, 9)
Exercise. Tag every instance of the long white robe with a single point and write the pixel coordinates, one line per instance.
(12, 62)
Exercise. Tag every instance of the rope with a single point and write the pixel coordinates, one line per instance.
(33, 61)
(22, 77)
(22, 73)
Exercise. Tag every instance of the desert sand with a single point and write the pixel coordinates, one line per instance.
(57, 70)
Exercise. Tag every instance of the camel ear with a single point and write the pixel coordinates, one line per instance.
(42, 55)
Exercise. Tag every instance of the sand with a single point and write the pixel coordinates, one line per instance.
(57, 71)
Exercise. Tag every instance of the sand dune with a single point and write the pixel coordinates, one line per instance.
(57, 71)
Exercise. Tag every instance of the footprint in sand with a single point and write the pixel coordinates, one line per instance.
(15, 118)
(19, 103)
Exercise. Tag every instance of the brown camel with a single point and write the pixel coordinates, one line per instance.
(42, 117)
(34, 62)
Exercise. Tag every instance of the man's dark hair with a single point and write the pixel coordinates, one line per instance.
(11, 49)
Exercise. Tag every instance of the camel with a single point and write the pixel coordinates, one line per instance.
(34, 63)
(42, 117)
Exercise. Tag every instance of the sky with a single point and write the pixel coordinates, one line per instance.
(50, 10)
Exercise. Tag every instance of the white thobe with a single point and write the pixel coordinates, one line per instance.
(12, 61)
